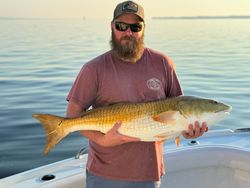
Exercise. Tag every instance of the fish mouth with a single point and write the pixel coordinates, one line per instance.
(229, 109)
(226, 111)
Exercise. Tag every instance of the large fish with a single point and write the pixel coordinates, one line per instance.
(149, 121)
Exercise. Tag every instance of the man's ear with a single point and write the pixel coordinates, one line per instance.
(111, 25)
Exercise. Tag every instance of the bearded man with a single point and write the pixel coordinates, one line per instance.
(129, 72)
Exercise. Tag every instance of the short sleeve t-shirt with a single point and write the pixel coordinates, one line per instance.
(107, 80)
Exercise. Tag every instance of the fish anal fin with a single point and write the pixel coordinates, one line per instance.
(168, 117)
(177, 141)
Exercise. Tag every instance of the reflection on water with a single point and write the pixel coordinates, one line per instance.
(40, 59)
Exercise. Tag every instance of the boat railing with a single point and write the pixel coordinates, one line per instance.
(242, 130)
(81, 152)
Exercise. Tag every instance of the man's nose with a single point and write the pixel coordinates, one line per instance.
(129, 32)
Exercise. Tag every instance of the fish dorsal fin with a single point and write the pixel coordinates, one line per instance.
(168, 117)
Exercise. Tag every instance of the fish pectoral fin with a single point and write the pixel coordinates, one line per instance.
(168, 117)
(177, 141)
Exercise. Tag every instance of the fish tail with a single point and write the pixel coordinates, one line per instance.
(53, 128)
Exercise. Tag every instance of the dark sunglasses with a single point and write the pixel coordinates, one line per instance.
(121, 26)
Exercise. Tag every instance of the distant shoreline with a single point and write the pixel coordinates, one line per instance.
(154, 18)
(27, 18)
(200, 17)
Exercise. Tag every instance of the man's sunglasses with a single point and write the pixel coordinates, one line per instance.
(121, 26)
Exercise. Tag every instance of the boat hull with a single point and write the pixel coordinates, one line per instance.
(217, 159)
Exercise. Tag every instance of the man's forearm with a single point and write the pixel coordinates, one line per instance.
(94, 136)
(74, 111)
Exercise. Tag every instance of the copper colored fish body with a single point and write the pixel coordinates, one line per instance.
(150, 121)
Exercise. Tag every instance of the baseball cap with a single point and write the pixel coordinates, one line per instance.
(129, 7)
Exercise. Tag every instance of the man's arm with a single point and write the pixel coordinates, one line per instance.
(111, 138)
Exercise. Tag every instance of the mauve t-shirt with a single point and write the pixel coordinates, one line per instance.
(107, 80)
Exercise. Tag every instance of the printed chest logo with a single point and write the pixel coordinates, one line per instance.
(154, 84)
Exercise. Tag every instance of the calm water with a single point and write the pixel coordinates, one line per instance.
(39, 60)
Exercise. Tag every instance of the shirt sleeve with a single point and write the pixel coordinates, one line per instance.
(84, 89)
(173, 88)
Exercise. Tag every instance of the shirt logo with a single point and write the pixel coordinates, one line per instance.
(154, 84)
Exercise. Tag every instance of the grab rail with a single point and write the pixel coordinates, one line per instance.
(81, 152)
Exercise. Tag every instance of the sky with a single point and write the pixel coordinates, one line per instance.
(103, 9)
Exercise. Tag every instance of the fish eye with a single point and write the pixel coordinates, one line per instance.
(214, 102)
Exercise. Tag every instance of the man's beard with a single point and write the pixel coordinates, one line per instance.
(129, 52)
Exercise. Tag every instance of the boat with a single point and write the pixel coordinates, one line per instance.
(220, 158)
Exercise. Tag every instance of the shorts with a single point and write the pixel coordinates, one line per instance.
(93, 181)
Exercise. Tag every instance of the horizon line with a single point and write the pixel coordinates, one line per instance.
(204, 17)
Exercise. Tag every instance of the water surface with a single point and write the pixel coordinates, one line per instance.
(39, 60)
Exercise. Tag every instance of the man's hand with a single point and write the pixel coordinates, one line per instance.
(195, 131)
(114, 138)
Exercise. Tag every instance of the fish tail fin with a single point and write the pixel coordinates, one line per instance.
(53, 128)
